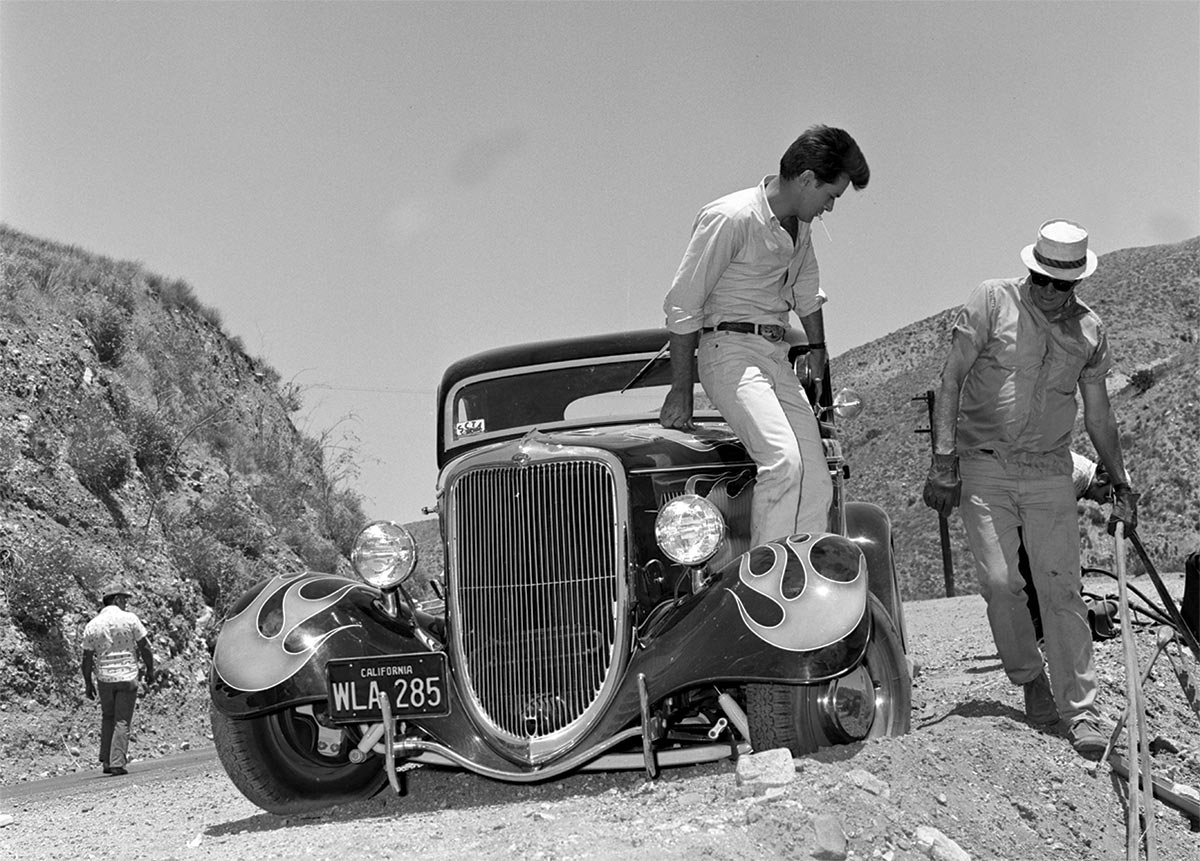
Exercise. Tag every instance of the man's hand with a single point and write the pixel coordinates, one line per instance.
(1124, 508)
(676, 410)
(943, 488)
(90, 690)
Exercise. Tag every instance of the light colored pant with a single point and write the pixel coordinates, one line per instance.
(996, 500)
(750, 382)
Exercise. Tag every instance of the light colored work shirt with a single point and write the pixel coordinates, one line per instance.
(1083, 470)
(1018, 399)
(743, 266)
(113, 635)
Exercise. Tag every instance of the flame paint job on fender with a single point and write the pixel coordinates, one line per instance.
(828, 603)
(247, 659)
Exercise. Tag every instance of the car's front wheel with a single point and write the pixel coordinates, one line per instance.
(874, 699)
(290, 762)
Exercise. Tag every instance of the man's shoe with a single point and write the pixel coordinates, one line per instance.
(117, 772)
(1087, 739)
(1039, 702)
(108, 769)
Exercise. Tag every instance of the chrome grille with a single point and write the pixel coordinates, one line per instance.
(536, 577)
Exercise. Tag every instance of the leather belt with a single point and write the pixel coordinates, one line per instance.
(770, 331)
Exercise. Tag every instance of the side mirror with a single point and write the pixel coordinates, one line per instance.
(847, 404)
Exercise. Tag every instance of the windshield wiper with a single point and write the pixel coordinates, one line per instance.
(645, 368)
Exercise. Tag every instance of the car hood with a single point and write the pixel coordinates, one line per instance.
(649, 446)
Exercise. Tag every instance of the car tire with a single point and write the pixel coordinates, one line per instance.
(804, 718)
(273, 760)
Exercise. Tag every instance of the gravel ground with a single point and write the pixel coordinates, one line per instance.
(972, 780)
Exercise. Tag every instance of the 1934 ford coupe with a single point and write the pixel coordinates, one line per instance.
(601, 607)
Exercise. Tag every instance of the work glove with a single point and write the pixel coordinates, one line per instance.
(1124, 508)
(943, 488)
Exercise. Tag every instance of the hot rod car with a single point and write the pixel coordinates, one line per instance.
(601, 607)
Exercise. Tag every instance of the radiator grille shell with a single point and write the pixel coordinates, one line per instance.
(537, 598)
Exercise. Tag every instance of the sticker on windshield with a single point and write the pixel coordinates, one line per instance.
(469, 428)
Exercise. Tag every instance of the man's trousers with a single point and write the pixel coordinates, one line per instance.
(117, 700)
(752, 385)
(997, 499)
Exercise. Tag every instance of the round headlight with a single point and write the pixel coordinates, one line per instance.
(689, 529)
(384, 554)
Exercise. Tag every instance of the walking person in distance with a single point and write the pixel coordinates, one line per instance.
(113, 642)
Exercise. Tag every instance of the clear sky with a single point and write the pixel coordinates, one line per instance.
(369, 191)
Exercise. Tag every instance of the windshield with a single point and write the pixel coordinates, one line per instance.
(574, 394)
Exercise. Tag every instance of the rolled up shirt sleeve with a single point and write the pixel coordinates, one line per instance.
(715, 240)
(807, 295)
(1099, 364)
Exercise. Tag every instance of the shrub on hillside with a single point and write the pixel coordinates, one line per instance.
(173, 294)
(228, 517)
(38, 580)
(221, 574)
(109, 280)
(153, 439)
(342, 515)
(97, 450)
(291, 395)
(1142, 380)
(8, 462)
(281, 502)
(203, 559)
(106, 325)
(316, 551)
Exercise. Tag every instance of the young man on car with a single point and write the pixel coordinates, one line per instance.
(1020, 349)
(749, 265)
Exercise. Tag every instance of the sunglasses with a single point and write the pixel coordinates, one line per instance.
(1041, 280)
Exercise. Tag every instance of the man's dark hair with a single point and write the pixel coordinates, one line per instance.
(828, 153)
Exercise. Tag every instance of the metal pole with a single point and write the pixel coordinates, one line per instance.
(1141, 786)
(943, 523)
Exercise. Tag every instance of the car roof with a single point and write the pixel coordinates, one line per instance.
(562, 349)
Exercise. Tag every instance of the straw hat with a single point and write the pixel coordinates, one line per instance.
(116, 587)
(1060, 252)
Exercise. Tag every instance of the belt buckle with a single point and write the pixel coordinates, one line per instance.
(771, 332)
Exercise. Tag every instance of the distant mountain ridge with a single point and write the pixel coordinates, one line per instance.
(1149, 299)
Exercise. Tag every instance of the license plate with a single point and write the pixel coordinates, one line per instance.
(415, 685)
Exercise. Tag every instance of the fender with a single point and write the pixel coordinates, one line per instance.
(273, 646)
(869, 526)
(787, 612)
(791, 611)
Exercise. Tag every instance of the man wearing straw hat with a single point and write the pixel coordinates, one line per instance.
(1003, 416)
(110, 641)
